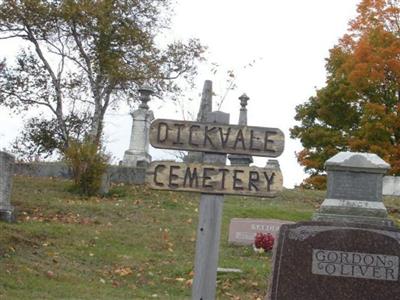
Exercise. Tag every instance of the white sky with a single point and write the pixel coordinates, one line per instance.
(289, 40)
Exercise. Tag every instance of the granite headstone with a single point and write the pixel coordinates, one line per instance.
(243, 230)
(6, 173)
(322, 260)
(354, 192)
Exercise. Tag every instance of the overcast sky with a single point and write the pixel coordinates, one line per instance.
(288, 42)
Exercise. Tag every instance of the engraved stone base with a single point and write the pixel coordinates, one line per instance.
(134, 159)
(7, 215)
(352, 219)
(354, 207)
(356, 211)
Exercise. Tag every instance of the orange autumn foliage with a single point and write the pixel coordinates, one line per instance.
(359, 107)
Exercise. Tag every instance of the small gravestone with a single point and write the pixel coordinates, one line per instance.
(6, 172)
(354, 192)
(242, 231)
(321, 260)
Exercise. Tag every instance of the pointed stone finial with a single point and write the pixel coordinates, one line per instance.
(144, 96)
(206, 101)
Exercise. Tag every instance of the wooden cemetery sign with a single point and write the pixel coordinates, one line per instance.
(214, 179)
(217, 138)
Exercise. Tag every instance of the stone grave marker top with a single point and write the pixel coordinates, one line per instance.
(357, 161)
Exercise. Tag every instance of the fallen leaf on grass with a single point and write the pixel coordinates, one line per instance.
(167, 278)
(85, 221)
(115, 283)
(180, 279)
(50, 274)
(254, 284)
(228, 294)
(123, 271)
(226, 286)
(165, 235)
(189, 282)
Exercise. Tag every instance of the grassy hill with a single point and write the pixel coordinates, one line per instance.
(134, 244)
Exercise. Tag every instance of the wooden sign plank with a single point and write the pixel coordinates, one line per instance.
(219, 138)
(214, 179)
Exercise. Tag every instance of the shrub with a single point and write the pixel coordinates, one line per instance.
(88, 164)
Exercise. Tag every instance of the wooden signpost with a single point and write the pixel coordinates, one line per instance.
(213, 178)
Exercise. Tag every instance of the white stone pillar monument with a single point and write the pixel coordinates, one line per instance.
(138, 152)
(6, 174)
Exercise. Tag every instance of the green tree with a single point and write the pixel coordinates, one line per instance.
(42, 137)
(83, 57)
(358, 108)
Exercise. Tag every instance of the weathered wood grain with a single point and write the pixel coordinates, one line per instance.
(215, 179)
(208, 233)
(219, 138)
